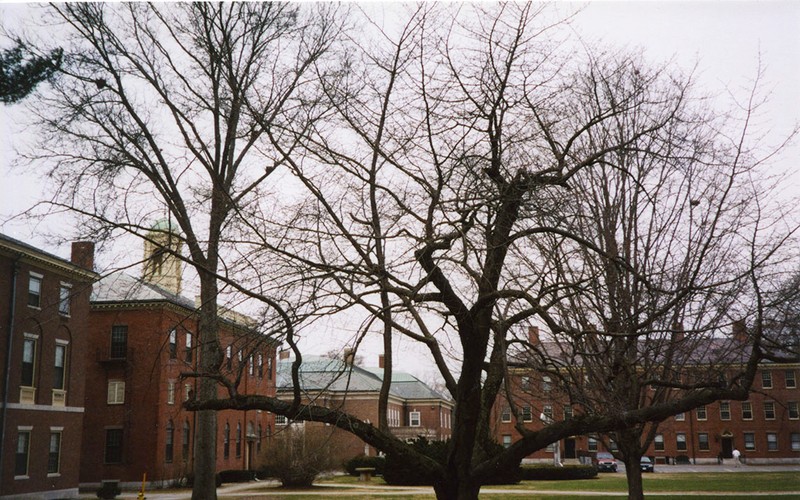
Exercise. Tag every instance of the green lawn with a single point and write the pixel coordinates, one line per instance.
(738, 485)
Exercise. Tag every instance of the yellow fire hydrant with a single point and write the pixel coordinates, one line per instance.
(141, 492)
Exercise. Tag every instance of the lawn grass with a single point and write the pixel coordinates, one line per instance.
(685, 481)
(736, 486)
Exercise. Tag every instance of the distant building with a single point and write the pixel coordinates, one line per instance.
(44, 305)
(765, 428)
(144, 338)
(414, 409)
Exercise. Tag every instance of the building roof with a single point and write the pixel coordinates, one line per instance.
(40, 257)
(120, 287)
(318, 373)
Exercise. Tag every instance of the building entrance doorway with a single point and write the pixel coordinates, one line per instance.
(569, 448)
(727, 447)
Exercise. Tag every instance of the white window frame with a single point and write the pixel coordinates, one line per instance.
(725, 410)
(790, 379)
(769, 407)
(793, 410)
(766, 379)
(414, 419)
(505, 414)
(680, 417)
(54, 431)
(701, 412)
(747, 407)
(751, 446)
(281, 420)
(170, 392)
(64, 299)
(116, 392)
(39, 279)
(679, 441)
(772, 441)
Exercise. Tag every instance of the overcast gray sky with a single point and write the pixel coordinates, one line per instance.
(726, 39)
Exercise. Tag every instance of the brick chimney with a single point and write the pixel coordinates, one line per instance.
(83, 254)
(533, 335)
(283, 354)
(739, 331)
(380, 361)
(349, 356)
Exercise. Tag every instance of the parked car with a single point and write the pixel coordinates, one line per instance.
(646, 465)
(606, 462)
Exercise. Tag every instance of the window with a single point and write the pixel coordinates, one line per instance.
(113, 452)
(747, 410)
(789, 379)
(550, 448)
(116, 392)
(749, 441)
(35, 291)
(250, 365)
(724, 410)
(794, 412)
(169, 442)
(54, 454)
(525, 383)
(567, 412)
(173, 344)
(188, 347)
(547, 411)
(769, 410)
(506, 415)
(701, 413)
(238, 440)
(64, 293)
(187, 392)
(546, 383)
(592, 444)
(658, 442)
(170, 392)
(280, 420)
(269, 367)
(702, 441)
(506, 440)
(260, 366)
(772, 441)
(258, 438)
(28, 360)
(680, 417)
(60, 364)
(680, 441)
(23, 445)
(612, 445)
(229, 357)
(119, 341)
(187, 437)
(527, 415)
(226, 441)
(795, 441)
(766, 379)
(414, 419)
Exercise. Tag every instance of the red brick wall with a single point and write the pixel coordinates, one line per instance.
(49, 325)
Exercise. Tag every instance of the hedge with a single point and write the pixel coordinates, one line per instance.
(377, 463)
(236, 476)
(553, 473)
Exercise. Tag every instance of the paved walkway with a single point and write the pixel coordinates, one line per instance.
(249, 491)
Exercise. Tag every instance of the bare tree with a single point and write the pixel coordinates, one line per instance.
(162, 110)
(439, 171)
(652, 267)
(433, 157)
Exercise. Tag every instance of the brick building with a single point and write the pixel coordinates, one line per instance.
(414, 409)
(45, 304)
(143, 335)
(765, 428)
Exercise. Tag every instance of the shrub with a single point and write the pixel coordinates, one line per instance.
(682, 460)
(297, 455)
(377, 463)
(236, 476)
(553, 473)
(190, 480)
(109, 490)
(397, 472)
